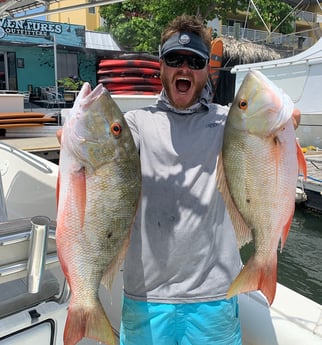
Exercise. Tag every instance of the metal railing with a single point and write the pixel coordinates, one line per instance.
(306, 16)
(259, 36)
(3, 207)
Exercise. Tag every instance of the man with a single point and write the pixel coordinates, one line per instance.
(183, 254)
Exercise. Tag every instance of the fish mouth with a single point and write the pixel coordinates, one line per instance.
(183, 84)
(98, 91)
(87, 95)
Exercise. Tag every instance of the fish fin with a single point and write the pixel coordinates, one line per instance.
(256, 277)
(77, 193)
(286, 230)
(90, 323)
(243, 233)
(115, 264)
(65, 221)
(301, 160)
(278, 153)
(80, 193)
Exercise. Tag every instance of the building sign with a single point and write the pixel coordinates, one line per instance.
(28, 28)
(38, 32)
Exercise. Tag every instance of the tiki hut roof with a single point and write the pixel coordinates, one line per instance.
(238, 52)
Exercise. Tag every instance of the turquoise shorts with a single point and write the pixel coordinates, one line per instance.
(208, 323)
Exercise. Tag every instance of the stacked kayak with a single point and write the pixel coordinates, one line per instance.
(131, 74)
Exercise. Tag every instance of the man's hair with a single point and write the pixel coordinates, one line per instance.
(187, 23)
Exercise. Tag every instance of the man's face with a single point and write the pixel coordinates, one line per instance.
(183, 84)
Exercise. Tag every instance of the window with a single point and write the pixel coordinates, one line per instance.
(91, 10)
(67, 65)
(232, 22)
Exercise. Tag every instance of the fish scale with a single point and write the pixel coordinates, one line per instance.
(98, 191)
(257, 176)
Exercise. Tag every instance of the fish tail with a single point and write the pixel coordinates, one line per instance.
(89, 323)
(255, 276)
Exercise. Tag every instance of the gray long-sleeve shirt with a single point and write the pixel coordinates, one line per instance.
(183, 246)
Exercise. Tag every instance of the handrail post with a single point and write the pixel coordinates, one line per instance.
(3, 207)
(37, 252)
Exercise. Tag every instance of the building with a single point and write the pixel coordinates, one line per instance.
(36, 54)
(89, 17)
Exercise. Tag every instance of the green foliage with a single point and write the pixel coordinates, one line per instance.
(131, 25)
(70, 83)
(137, 24)
(275, 14)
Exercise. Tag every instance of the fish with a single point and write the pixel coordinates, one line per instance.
(98, 191)
(257, 175)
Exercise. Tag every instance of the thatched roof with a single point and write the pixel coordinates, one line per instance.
(238, 52)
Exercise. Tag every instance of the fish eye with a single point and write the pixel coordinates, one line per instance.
(243, 104)
(116, 129)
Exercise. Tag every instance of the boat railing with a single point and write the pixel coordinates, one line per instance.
(25, 156)
(3, 207)
(29, 184)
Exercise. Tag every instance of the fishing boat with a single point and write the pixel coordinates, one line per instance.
(34, 295)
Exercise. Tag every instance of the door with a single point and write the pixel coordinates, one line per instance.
(3, 85)
(8, 71)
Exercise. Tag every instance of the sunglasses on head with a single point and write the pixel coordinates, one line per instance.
(177, 60)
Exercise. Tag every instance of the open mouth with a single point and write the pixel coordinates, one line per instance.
(183, 85)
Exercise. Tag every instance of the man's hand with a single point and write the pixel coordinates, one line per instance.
(58, 135)
(296, 117)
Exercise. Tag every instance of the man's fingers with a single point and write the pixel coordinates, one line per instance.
(296, 117)
(58, 135)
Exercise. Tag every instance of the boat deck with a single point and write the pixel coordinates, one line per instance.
(313, 184)
(40, 140)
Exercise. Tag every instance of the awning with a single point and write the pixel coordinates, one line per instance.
(100, 41)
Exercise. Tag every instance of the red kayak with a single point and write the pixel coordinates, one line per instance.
(129, 80)
(129, 63)
(136, 87)
(129, 71)
(139, 93)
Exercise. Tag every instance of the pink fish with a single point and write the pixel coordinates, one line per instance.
(98, 189)
(257, 176)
